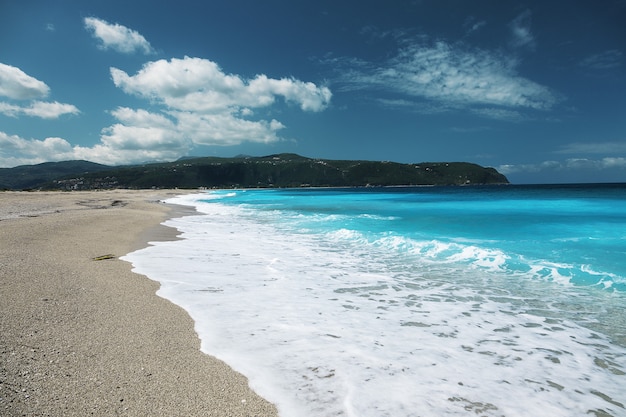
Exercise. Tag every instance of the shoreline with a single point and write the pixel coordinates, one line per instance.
(86, 337)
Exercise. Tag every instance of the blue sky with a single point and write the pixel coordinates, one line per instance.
(536, 89)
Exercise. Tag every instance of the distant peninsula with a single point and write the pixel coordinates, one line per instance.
(278, 170)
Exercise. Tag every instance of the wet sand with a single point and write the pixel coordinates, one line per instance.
(83, 337)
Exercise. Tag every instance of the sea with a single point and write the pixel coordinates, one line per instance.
(408, 301)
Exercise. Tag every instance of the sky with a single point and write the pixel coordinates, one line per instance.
(535, 88)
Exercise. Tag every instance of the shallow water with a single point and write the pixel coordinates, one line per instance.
(491, 301)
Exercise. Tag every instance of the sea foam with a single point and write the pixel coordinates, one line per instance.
(338, 322)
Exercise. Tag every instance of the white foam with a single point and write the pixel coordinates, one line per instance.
(335, 325)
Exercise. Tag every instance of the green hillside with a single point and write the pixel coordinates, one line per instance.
(35, 176)
(280, 170)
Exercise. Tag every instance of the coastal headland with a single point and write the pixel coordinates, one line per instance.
(271, 171)
(84, 335)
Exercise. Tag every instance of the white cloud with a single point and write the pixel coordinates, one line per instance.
(305, 94)
(120, 145)
(225, 129)
(194, 103)
(199, 85)
(16, 84)
(140, 129)
(117, 37)
(107, 155)
(449, 74)
(612, 162)
(521, 35)
(138, 137)
(606, 60)
(569, 165)
(590, 164)
(42, 109)
(507, 169)
(471, 25)
(200, 105)
(206, 106)
(499, 114)
(607, 148)
(142, 118)
(15, 150)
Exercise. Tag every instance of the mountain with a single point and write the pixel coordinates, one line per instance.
(35, 176)
(279, 170)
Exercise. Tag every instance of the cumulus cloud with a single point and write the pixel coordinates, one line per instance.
(449, 74)
(117, 37)
(193, 103)
(140, 129)
(227, 129)
(41, 109)
(15, 150)
(199, 85)
(16, 84)
(139, 136)
(108, 155)
(204, 105)
(120, 144)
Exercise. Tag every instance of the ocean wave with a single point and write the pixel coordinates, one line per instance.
(460, 256)
(342, 319)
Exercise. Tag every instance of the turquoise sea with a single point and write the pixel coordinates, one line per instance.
(420, 301)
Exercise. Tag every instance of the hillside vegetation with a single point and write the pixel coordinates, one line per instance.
(280, 170)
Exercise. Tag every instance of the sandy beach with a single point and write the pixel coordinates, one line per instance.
(86, 337)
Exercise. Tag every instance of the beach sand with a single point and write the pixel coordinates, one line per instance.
(83, 337)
